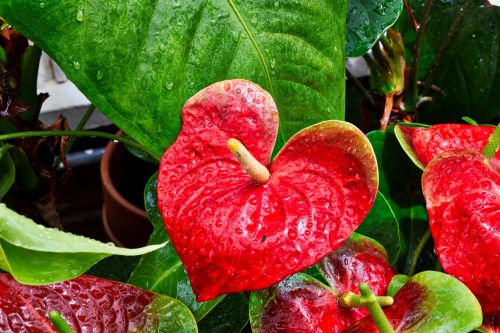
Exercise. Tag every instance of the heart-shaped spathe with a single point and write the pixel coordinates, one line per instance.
(235, 235)
(462, 193)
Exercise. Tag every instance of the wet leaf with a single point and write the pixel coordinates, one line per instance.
(230, 315)
(154, 55)
(367, 21)
(324, 181)
(37, 255)
(161, 271)
(7, 171)
(90, 304)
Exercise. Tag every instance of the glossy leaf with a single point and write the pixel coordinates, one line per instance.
(299, 304)
(429, 302)
(468, 73)
(7, 171)
(367, 21)
(382, 224)
(422, 145)
(161, 271)
(358, 260)
(463, 202)
(152, 56)
(37, 255)
(90, 304)
(230, 315)
(323, 184)
(397, 282)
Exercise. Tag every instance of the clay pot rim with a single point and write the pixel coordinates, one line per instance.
(107, 181)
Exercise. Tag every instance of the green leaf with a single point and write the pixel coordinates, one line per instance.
(397, 282)
(168, 315)
(37, 255)
(468, 73)
(139, 61)
(230, 315)
(448, 305)
(367, 21)
(161, 271)
(382, 224)
(7, 171)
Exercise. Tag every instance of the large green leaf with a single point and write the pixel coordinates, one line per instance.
(168, 315)
(469, 72)
(139, 61)
(37, 255)
(161, 271)
(382, 224)
(367, 21)
(230, 315)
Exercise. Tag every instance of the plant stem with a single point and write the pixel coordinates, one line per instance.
(444, 46)
(375, 310)
(81, 124)
(412, 260)
(409, 11)
(411, 95)
(59, 322)
(28, 134)
(351, 300)
(360, 87)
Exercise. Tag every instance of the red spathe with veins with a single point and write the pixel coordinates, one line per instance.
(235, 235)
(462, 192)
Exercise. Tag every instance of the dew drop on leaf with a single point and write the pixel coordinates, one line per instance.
(42, 4)
(79, 15)
(100, 75)
(169, 86)
(76, 65)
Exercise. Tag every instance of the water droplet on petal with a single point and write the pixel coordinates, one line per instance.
(292, 234)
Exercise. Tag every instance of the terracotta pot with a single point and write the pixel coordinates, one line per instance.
(125, 223)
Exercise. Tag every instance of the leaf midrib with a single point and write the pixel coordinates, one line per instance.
(252, 39)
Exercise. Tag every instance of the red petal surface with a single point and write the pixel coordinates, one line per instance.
(356, 261)
(303, 306)
(431, 142)
(89, 304)
(491, 323)
(462, 191)
(234, 235)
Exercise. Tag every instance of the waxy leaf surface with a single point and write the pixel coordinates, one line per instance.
(424, 144)
(430, 302)
(359, 259)
(90, 304)
(139, 61)
(462, 192)
(37, 255)
(299, 304)
(367, 20)
(234, 235)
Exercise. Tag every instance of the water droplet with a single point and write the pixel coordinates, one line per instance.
(254, 21)
(79, 15)
(169, 86)
(238, 231)
(292, 234)
(236, 36)
(276, 117)
(100, 75)
(162, 47)
(42, 4)
(76, 65)
(272, 63)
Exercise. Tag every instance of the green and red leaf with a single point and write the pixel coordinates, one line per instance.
(90, 304)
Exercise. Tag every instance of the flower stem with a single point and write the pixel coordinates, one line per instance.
(59, 322)
(375, 310)
(411, 264)
(27, 134)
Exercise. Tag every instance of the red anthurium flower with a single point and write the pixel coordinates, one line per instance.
(239, 231)
(423, 144)
(462, 192)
